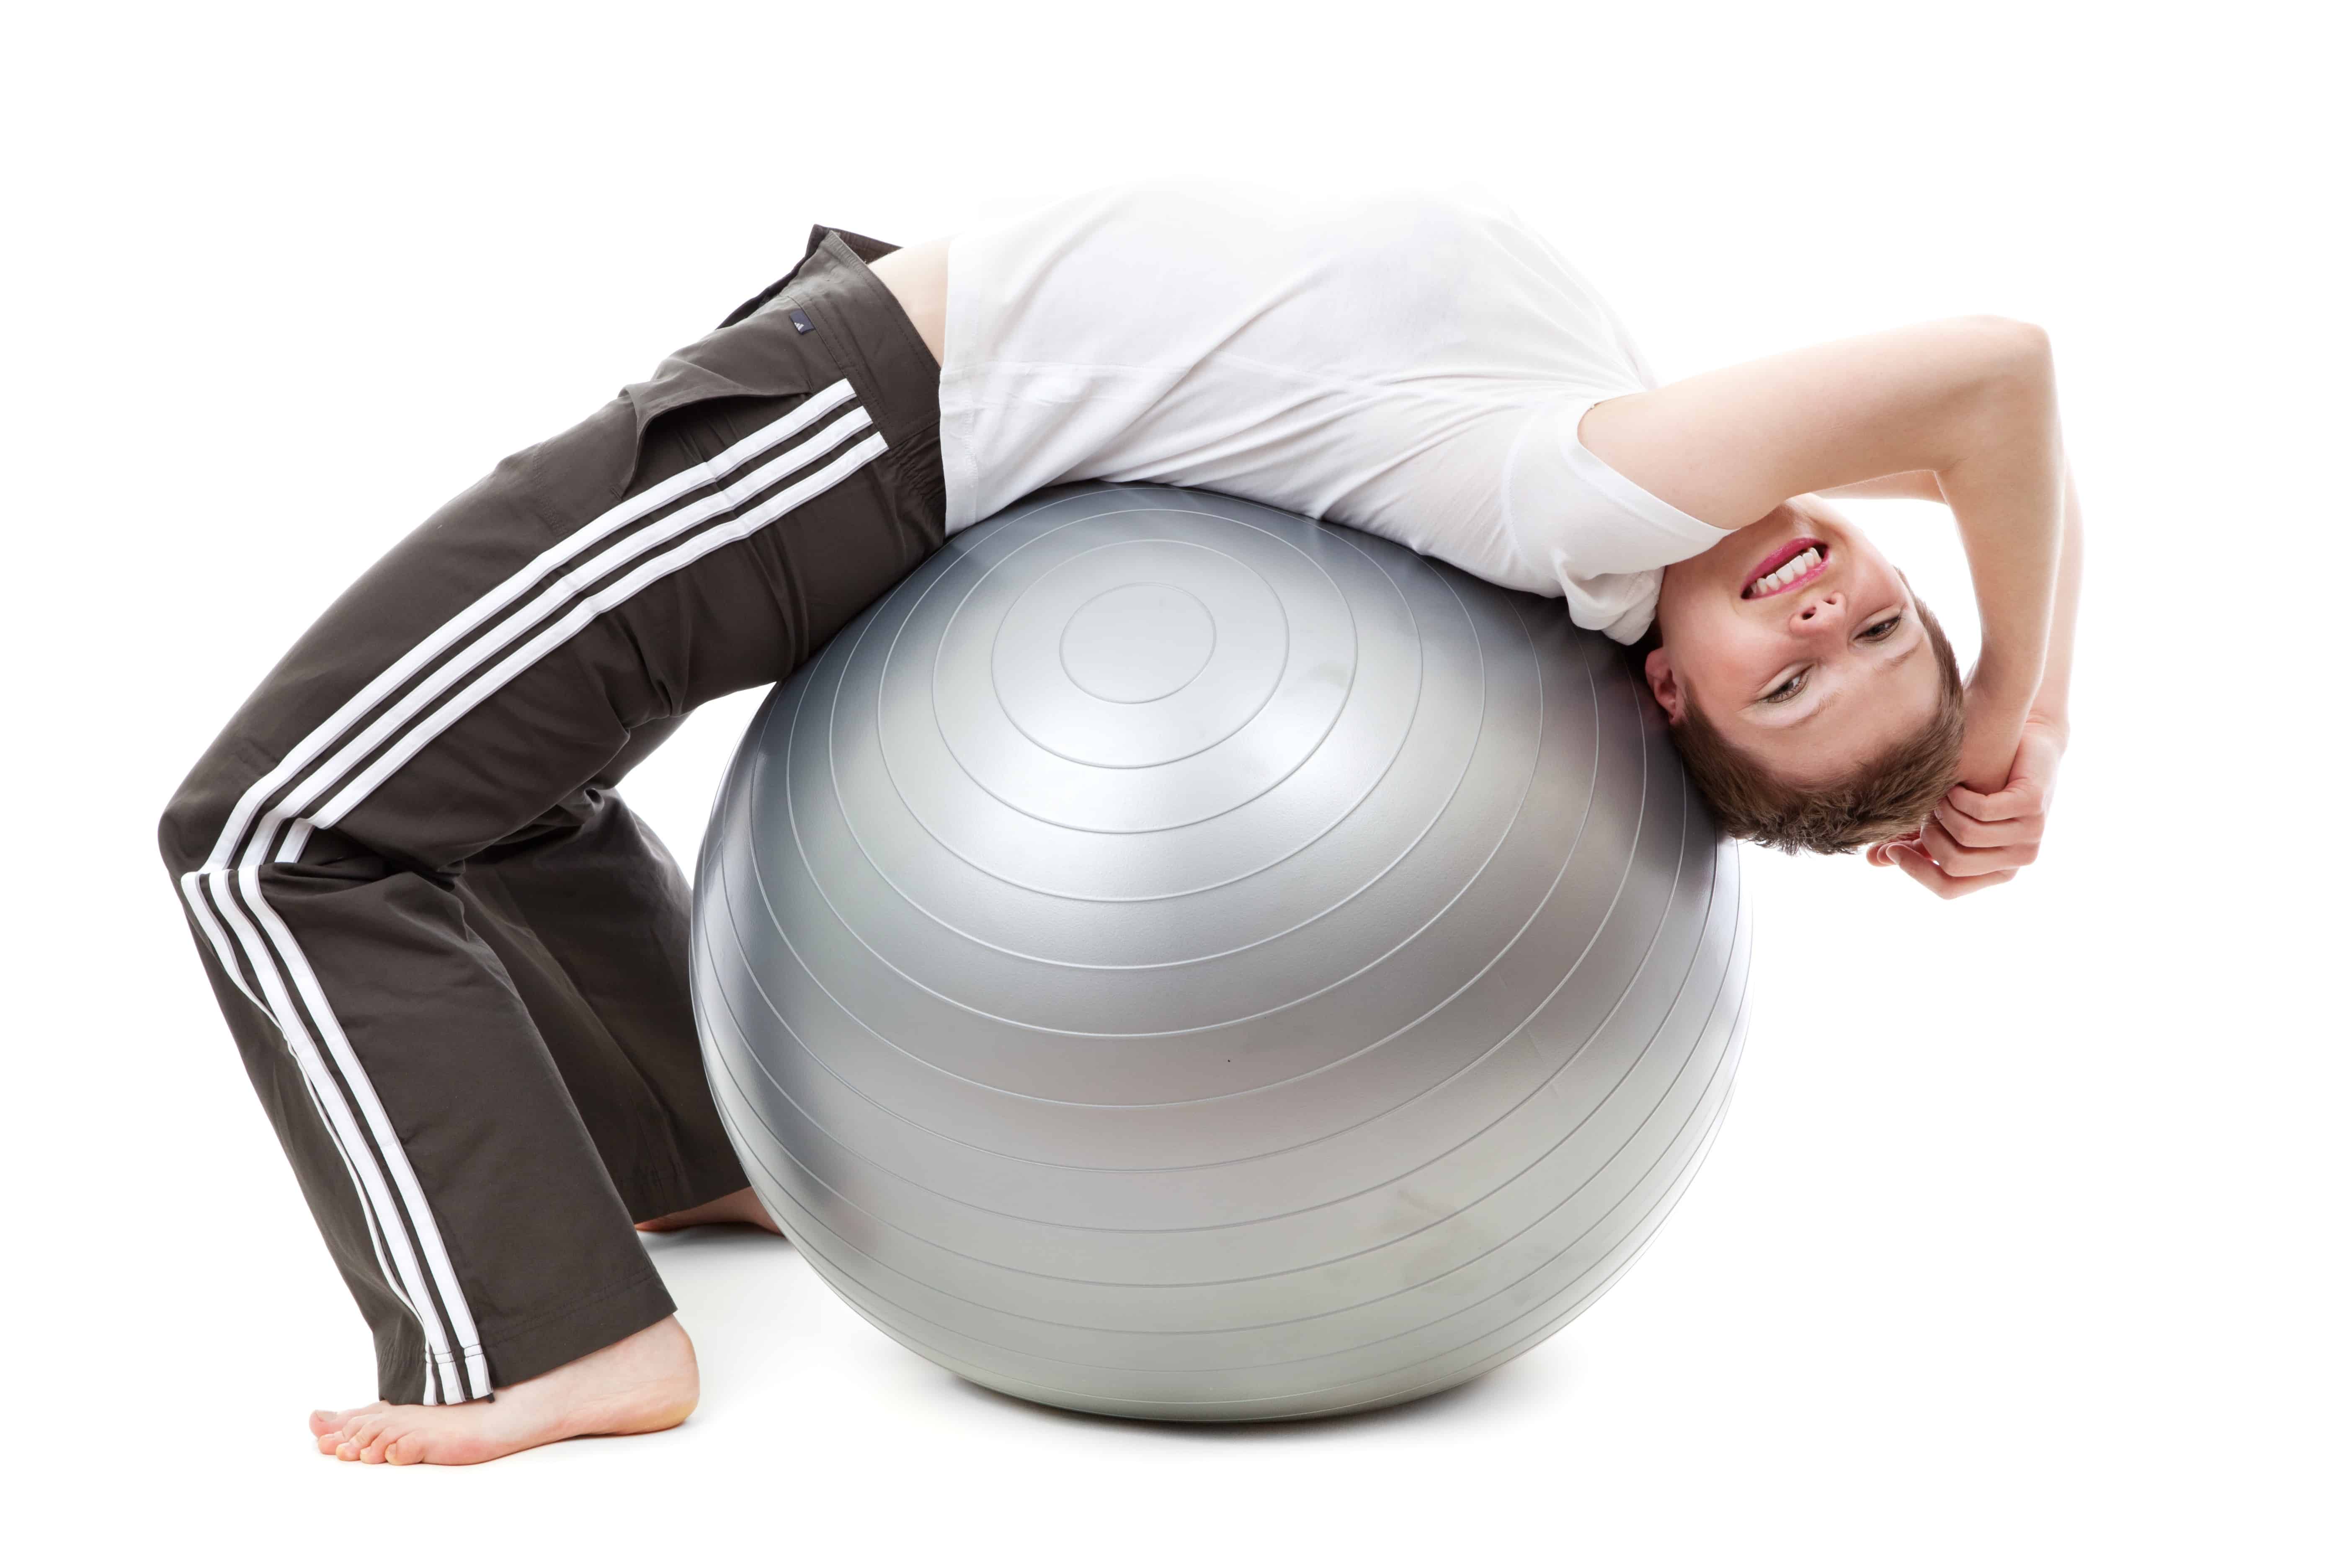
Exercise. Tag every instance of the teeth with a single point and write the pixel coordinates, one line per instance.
(1788, 573)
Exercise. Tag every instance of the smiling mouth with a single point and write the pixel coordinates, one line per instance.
(1793, 565)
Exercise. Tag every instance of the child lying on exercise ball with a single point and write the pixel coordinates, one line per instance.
(1422, 366)
(456, 962)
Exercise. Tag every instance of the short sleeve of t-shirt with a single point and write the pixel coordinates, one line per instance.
(1591, 535)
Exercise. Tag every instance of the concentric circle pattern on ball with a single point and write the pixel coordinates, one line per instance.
(1171, 959)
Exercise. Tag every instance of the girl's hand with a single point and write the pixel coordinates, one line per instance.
(1974, 840)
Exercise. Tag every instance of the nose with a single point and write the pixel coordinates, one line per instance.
(1819, 614)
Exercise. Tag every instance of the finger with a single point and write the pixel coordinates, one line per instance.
(2020, 797)
(1933, 878)
(1881, 854)
(1959, 861)
(1974, 835)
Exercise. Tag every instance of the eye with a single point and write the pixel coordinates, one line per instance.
(1879, 631)
(1787, 688)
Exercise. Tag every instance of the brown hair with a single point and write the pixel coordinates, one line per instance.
(1884, 798)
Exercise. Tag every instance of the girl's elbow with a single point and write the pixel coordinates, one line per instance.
(2009, 351)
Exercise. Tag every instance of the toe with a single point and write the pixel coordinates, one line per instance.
(408, 1448)
(325, 1421)
(356, 1419)
(372, 1434)
(348, 1421)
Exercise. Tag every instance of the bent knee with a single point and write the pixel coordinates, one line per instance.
(180, 836)
(193, 819)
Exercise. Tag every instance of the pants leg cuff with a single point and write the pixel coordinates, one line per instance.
(519, 1355)
(714, 1175)
(712, 1182)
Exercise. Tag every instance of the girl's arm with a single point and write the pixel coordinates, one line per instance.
(2058, 664)
(1918, 485)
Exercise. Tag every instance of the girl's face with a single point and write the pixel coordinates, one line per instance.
(1799, 641)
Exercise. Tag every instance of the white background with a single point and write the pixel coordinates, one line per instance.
(2025, 1240)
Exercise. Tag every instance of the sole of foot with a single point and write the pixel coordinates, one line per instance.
(735, 1208)
(646, 1382)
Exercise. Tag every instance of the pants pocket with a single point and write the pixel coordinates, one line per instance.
(758, 361)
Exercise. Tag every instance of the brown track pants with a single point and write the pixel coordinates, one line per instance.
(454, 962)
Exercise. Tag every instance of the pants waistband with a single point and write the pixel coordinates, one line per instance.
(861, 322)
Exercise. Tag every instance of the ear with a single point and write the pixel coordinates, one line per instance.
(1660, 668)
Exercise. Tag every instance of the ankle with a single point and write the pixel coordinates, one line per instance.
(642, 1383)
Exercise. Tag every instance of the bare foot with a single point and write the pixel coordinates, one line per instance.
(642, 1384)
(735, 1208)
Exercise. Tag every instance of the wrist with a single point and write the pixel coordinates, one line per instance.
(1993, 695)
(2005, 678)
(2050, 719)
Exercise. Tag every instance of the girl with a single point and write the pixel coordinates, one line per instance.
(455, 962)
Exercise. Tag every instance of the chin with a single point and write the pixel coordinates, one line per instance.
(1681, 585)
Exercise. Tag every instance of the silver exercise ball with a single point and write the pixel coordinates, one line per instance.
(1173, 959)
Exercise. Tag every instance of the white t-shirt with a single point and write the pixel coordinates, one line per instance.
(1411, 362)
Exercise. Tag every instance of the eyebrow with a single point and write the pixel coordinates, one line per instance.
(1831, 701)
